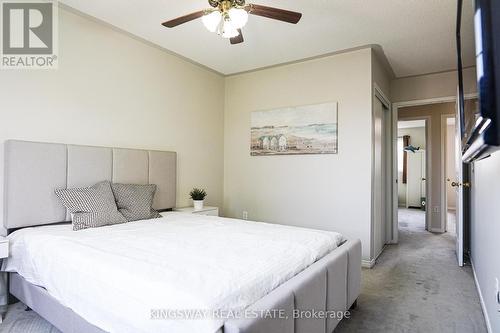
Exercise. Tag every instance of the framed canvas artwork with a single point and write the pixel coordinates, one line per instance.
(310, 129)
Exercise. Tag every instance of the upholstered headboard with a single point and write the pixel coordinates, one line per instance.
(33, 170)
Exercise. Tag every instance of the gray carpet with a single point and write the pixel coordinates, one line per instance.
(417, 286)
(18, 320)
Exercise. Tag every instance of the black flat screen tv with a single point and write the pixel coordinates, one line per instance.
(480, 124)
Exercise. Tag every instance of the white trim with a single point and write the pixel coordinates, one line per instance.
(368, 263)
(481, 299)
(371, 263)
(436, 100)
(381, 96)
(395, 173)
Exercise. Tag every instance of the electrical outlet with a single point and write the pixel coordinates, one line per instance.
(245, 215)
(436, 209)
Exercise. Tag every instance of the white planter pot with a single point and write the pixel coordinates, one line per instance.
(198, 204)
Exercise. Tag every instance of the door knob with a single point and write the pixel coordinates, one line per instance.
(457, 184)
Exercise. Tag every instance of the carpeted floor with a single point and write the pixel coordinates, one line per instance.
(18, 320)
(416, 286)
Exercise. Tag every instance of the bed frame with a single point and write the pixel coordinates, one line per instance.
(33, 170)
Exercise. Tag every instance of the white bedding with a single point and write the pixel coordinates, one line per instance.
(114, 276)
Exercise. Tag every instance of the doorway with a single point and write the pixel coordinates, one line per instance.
(412, 171)
(439, 218)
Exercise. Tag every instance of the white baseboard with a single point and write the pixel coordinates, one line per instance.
(481, 299)
(370, 263)
(438, 230)
(367, 263)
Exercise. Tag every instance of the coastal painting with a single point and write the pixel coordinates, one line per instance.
(297, 130)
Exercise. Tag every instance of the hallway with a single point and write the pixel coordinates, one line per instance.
(417, 286)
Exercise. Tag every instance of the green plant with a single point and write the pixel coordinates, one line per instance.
(197, 194)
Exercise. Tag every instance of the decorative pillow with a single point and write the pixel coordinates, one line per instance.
(91, 207)
(135, 202)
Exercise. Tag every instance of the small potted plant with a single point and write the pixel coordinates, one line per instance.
(198, 196)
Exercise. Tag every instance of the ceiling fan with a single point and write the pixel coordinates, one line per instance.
(228, 17)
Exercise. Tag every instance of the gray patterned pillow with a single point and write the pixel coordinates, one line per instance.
(91, 207)
(135, 202)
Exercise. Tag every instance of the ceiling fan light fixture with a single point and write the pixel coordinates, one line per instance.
(227, 29)
(238, 16)
(228, 17)
(212, 20)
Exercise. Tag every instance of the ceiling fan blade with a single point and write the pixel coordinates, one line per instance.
(183, 19)
(238, 39)
(274, 13)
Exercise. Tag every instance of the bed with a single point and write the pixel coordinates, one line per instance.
(179, 273)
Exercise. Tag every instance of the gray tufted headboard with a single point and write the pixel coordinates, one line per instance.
(33, 170)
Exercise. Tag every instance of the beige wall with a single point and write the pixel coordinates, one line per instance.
(435, 126)
(417, 135)
(311, 191)
(113, 90)
(431, 86)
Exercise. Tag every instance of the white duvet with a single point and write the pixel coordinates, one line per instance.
(115, 276)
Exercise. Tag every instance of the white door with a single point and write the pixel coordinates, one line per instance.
(460, 195)
(415, 185)
(423, 179)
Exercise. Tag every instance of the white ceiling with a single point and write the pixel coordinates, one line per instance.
(417, 36)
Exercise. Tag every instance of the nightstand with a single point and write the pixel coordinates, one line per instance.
(4, 253)
(207, 210)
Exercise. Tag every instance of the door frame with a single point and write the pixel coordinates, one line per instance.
(428, 163)
(395, 107)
